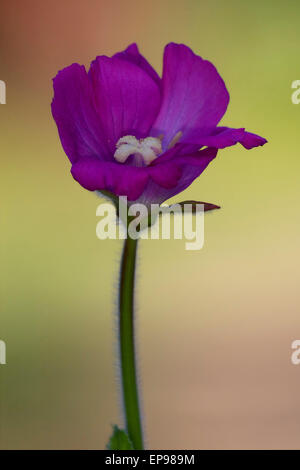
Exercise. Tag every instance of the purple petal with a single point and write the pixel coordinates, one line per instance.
(132, 54)
(192, 167)
(166, 174)
(250, 140)
(78, 124)
(165, 184)
(127, 98)
(199, 159)
(194, 94)
(222, 137)
(122, 180)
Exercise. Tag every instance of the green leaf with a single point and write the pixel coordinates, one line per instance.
(119, 440)
(207, 205)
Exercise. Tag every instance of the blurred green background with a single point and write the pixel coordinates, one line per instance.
(214, 327)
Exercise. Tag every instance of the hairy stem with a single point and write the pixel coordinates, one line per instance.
(127, 345)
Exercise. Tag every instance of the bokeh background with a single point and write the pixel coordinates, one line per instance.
(214, 327)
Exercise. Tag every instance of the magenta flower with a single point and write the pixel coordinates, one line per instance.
(129, 132)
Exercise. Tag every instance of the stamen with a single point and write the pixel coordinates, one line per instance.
(175, 139)
(148, 148)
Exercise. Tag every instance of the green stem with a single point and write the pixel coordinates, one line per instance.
(127, 346)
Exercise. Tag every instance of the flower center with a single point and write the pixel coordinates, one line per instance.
(148, 149)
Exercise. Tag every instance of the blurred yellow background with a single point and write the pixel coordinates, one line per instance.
(214, 327)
